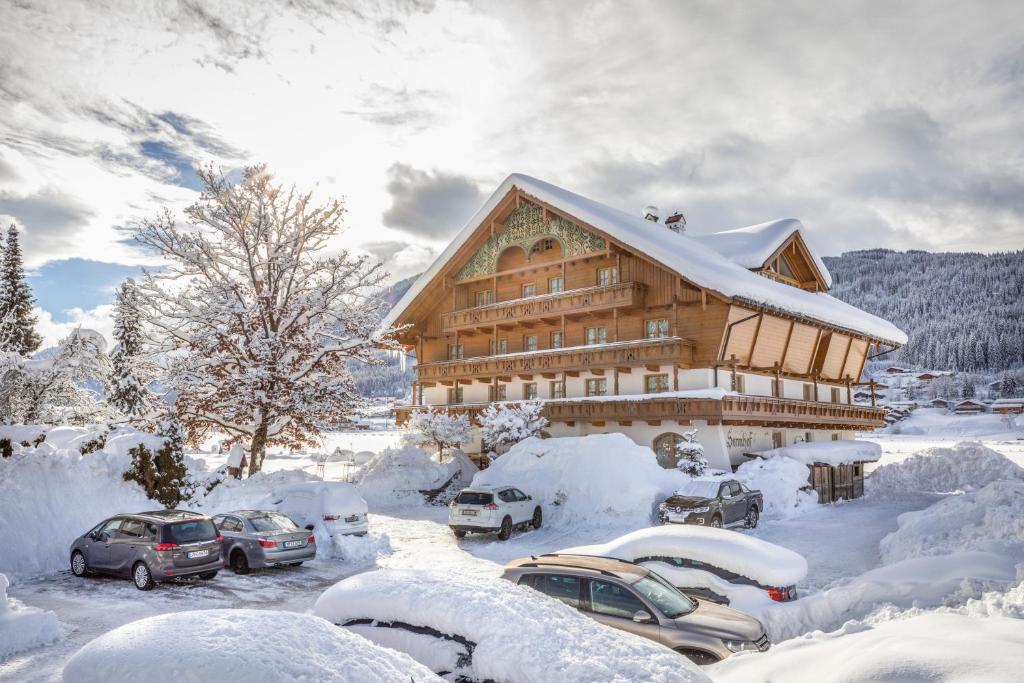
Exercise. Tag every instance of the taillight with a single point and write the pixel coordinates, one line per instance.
(163, 547)
(490, 506)
(220, 539)
(778, 594)
(331, 518)
(311, 539)
(268, 544)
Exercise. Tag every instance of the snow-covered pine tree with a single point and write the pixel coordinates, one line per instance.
(691, 458)
(437, 428)
(17, 324)
(504, 424)
(258, 320)
(130, 371)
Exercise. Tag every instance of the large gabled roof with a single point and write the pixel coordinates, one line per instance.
(685, 255)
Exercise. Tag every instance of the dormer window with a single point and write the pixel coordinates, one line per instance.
(542, 246)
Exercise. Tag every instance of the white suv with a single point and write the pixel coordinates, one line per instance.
(481, 509)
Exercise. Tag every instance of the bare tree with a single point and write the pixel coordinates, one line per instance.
(257, 319)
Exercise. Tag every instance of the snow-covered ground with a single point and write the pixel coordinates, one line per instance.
(943, 559)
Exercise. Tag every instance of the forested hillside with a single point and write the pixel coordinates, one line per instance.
(389, 379)
(963, 312)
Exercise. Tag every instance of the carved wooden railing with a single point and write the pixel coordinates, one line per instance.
(623, 354)
(590, 299)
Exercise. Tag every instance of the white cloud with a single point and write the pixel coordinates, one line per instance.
(100, 319)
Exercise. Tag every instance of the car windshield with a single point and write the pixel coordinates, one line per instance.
(474, 498)
(697, 488)
(272, 521)
(190, 532)
(664, 596)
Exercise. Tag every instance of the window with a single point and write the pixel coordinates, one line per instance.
(777, 388)
(739, 384)
(808, 393)
(132, 528)
(507, 496)
(597, 386)
(529, 289)
(529, 342)
(666, 447)
(607, 276)
(614, 600)
(558, 390)
(496, 393)
(564, 588)
(734, 486)
(542, 246)
(455, 395)
(228, 524)
(520, 496)
(777, 440)
(190, 532)
(530, 391)
(272, 521)
(656, 328)
(808, 437)
(150, 532)
(555, 285)
(597, 335)
(485, 297)
(455, 352)
(499, 346)
(655, 384)
(835, 437)
(474, 498)
(556, 340)
(664, 596)
(110, 528)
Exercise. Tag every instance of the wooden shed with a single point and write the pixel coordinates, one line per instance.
(837, 482)
(1008, 406)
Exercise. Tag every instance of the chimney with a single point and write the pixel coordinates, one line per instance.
(676, 222)
(651, 213)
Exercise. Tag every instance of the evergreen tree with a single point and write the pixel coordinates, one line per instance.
(172, 476)
(17, 324)
(128, 383)
(691, 459)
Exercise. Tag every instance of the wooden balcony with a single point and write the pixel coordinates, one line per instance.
(666, 350)
(731, 410)
(576, 301)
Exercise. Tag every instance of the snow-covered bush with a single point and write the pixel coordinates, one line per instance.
(23, 627)
(398, 475)
(964, 466)
(437, 428)
(504, 424)
(690, 454)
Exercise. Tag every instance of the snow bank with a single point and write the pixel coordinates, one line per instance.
(783, 483)
(23, 627)
(585, 477)
(764, 562)
(828, 452)
(238, 645)
(964, 466)
(930, 647)
(50, 497)
(990, 519)
(521, 635)
(397, 475)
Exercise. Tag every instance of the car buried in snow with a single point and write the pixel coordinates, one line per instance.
(334, 507)
(712, 502)
(485, 509)
(254, 539)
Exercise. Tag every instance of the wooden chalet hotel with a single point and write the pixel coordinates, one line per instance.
(625, 323)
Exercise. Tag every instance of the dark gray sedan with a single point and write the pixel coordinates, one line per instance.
(254, 539)
(150, 547)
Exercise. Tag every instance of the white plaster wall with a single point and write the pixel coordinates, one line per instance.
(701, 378)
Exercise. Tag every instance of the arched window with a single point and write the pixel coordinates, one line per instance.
(666, 447)
(541, 246)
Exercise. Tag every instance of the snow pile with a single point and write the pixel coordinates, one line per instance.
(764, 562)
(990, 519)
(23, 627)
(931, 647)
(238, 645)
(520, 634)
(248, 494)
(783, 483)
(997, 603)
(398, 475)
(964, 466)
(828, 452)
(51, 496)
(587, 477)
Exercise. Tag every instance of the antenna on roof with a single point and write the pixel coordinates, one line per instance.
(676, 222)
(651, 213)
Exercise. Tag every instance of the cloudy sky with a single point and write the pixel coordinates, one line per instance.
(876, 123)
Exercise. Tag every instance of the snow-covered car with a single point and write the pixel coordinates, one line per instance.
(477, 628)
(209, 646)
(254, 539)
(483, 509)
(715, 564)
(335, 506)
(712, 502)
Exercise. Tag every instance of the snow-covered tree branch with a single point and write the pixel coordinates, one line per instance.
(504, 424)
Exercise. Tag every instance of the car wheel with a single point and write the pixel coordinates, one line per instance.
(752, 517)
(506, 529)
(698, 657)
(142, 577)
(206, 576)
(716, 522)
(78, 566)
(295, 564)
(538, 518)
(239, 562)
(458, 533)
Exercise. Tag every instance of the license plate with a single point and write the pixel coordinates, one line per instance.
(292, 544)
(471, 513)
(353, 518)
(198, 553)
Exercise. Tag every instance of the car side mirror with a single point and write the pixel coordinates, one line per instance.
(104, 536)
(642, 617)
(309, 527)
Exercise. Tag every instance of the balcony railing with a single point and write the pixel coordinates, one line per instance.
(618, 354)
(588, 300)
(732, 410)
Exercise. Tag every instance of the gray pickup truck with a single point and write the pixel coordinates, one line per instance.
(713, 502)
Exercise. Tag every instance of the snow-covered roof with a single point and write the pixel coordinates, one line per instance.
(692, 259)
(842, 452)
(751, 246)
(751, 557)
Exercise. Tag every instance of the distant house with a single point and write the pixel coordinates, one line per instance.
(932, 374)
(881, 385)
(904, 405)
(1007, 406)
(968, 407)
(896, 370)
(938, 403)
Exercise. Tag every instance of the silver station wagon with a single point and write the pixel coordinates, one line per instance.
(254, 539)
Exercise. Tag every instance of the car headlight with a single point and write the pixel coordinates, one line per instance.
(741, 646)
(700, 509)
